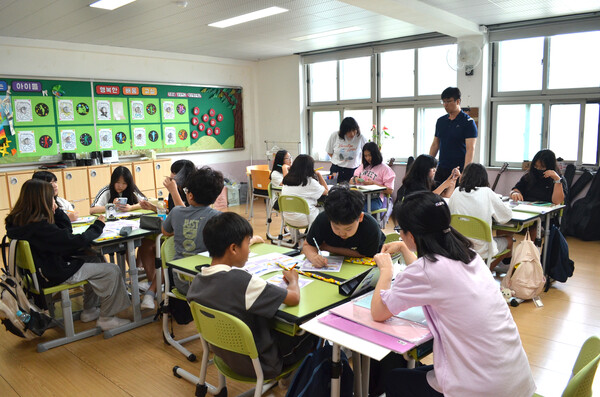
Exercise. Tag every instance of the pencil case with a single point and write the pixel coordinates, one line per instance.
(150, 222)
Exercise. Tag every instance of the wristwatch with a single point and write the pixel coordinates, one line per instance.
(559, 180)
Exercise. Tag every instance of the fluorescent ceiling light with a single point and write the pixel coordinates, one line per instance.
(328, 33)
(110, 4)
(267, 12)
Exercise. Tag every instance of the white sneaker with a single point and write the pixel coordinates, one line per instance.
(106, 323)
(148, 302)
(89, 314)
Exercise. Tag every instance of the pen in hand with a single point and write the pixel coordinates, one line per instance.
(317, 245)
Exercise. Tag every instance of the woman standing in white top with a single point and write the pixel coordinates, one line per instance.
(281, 166)
(474, 197)
(302, 181)
(345, 149)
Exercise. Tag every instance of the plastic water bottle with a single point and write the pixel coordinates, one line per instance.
(25, 317)
(161, 209)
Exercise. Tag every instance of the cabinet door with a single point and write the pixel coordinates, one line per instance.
(15, 181)
(98, 177)
(143, 175)
(162, 168)
(4, 198)
(126, 165)
(162, 193)
(75, 182)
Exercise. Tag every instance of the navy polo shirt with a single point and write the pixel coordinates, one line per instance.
(453, 135)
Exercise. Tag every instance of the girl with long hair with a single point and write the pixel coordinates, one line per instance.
(373, 171)
(420, 177)
(542, 182)
(121, 185)
(281, 166)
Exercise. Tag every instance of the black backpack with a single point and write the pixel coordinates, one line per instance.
(313, 378)
(558, 267)
(583, 219)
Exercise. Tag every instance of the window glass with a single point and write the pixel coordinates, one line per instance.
(434, 72)
(400, 125)
(590, 133)
(323, 125)
(426, 131)
(397, 73)
(364, 118)
(323, 81)
(518, 132)
(573, 63)
(355, 78)
(520, 66)
(563, 138)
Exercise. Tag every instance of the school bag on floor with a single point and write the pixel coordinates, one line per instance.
(313, 378)
(559, 266)
(525, 276)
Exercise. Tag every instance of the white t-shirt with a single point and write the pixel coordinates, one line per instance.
(484, 204)
(347, 154)
(311, 193)
(276, 178)
(477, 350)
(104, 194)
(64, 204)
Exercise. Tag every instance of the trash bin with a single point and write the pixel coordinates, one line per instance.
(243, 192)
(233, 194)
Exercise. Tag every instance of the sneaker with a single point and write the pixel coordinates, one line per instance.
(106, 323)
(143, 285)
(89, 314)
(148, 302)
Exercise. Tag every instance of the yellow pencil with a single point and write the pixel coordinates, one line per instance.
(108, 238)
(320, 168)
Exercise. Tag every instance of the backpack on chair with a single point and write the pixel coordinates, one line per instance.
(13, 300)
(525, 276)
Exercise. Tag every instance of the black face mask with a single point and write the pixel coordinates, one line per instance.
(538, 174)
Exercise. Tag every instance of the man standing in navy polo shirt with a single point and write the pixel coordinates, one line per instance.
(455, 136)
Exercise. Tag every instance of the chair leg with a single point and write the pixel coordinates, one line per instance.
(177, 343)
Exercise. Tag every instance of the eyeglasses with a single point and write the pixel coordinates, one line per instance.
(185, 190)
(397, 228)
(446, 101)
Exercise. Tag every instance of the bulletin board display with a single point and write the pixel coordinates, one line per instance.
(49, 117)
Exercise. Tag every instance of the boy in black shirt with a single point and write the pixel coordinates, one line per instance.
(343, 229)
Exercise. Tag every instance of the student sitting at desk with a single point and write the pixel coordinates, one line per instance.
(302, 181)
(477, 350)
(180, 170)
(373, 171)
(474, 197)
(226, 287)
(121, 185)
(542, 182)
(54, 246)
(343, 229)
(281, 166)
(420, 177)
(63, 204)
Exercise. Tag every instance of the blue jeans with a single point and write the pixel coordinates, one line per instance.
(376, 204)
(403, 382)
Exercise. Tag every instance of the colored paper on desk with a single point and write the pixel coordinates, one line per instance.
(414, 314)
(394, 326)
(263, 264)
(536, 209)
(84, 219)
(395, 344)
(334, 264)
(112, 229)
(280, 282)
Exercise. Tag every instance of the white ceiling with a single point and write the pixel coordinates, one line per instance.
(162, 25)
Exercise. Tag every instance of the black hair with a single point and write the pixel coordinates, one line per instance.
(418, 175)
(342, 205)
(347, 125)
(278, 161)
(451, 92)
(473, 177)
(223, 230)
(44, 176)
(548, 159)
(182, 169)
(129, 192)
(205, 184)
(301, 169)
(427, 217)
(376, 157)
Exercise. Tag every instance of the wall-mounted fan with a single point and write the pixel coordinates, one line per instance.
(466, 57)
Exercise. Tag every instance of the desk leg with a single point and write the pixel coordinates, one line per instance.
(365, 369)
(335, 367)
(538, 234)
(545, 246)
(368, 203)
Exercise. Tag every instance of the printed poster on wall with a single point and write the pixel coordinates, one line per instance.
(68, 140)
(23, 112)
(26, 142)
(65, 110)
(103, 110)
(137, 110)
(139, 137)
(105, 141)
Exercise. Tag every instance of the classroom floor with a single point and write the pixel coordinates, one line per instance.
(139, 363)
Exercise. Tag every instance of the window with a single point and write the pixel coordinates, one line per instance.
(350, 88)
(545, 94)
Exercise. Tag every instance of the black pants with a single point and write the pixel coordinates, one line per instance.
(404, 382)
(441, 174)
(344, 174)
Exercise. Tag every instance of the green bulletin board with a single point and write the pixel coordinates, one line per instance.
(49, 117)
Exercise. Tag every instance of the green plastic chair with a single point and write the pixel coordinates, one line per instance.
(20, 252)
(475, 228)
(584, 370)
(229, 333)
(167, 252)
(297, 205)
(390, 238)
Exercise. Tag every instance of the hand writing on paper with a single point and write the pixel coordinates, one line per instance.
(290, 276)
(101, 218)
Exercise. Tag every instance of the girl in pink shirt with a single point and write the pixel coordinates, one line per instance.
(477, 350)
(373, 171)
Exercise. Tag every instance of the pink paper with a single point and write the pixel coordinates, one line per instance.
(366, 333)
(394, 326)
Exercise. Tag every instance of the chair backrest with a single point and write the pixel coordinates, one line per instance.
(472, 227)
(580, 384)
(167, 251)
(390, 238)
(293, 204)
(223, 330)
(260, 179)
(257, 167)
(24, 263)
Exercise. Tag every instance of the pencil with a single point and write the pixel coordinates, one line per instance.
(308, 274)
(320, 168)
(108, 238)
